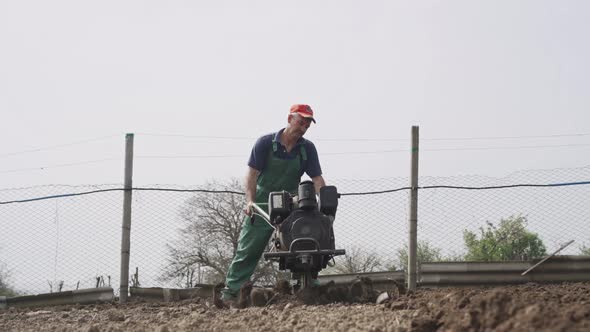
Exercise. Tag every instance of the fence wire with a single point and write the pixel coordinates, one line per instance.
(72, 234)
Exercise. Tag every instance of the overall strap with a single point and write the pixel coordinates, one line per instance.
(303, 153)
(274, 143)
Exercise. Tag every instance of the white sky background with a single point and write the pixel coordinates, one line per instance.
(77, 70)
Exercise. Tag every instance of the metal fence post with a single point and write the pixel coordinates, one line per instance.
(126, 229)
(413, 220)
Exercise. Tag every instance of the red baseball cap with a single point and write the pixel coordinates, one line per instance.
(303, 110)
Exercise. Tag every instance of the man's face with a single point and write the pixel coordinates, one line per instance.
(299, 123)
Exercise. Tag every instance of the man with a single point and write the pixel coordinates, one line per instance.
(276, 163)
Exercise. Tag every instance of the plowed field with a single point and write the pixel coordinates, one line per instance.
(530, 307)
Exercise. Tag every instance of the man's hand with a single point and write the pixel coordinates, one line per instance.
(250, 189)
(248, 209)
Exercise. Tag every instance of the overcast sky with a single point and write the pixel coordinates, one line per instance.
(72, 71)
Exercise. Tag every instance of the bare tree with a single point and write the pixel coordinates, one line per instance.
(5, 289)
(356, 260)
(4, 274)
(208, 240)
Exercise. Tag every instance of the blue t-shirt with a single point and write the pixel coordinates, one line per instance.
(263, 146)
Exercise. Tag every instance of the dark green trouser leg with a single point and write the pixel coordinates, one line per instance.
(251, 244)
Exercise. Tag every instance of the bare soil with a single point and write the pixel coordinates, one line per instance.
(530, 307)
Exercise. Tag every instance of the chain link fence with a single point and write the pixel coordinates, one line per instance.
(555, 204)
(73, 241)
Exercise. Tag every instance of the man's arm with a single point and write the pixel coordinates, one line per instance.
(313, 167)
(250, 188)
(318, 182)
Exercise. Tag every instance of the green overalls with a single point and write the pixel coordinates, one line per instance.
(278, 175)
